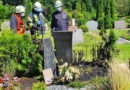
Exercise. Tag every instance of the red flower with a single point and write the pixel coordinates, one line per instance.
(0, 80)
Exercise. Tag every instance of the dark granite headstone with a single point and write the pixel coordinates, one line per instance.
(49, 56)
(63, 46)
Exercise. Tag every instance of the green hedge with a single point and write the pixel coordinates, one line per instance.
(18, 53)
(84, 28)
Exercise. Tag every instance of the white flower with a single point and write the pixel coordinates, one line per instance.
(65, 64)
(68, 76)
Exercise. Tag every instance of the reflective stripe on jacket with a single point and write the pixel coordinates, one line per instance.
(17, 24)
(32, 22)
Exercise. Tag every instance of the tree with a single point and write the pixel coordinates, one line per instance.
(28, 7)
(3, 11)
(78, 6)
(107, 21)
(83, 7)
(67, 4)
(100, 16)
(50, 11)
(89, 5)
(13, 2)
(112, 5)
(122, 7)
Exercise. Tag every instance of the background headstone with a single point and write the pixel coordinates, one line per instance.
(120, 24)
(27, 31)
(5, 25)
(92, 25)
(63, 46)
(49, 56)
(78, 37)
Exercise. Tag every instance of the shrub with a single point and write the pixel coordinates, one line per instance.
(107, 20)
(28, 7)
(77, 15)
(84, 28)
(100, 23)
(119, 76)
(3, 11)
(78, 6)
(18, 53)
(39, 86)
(87, 16)
(81, 21)
(0, 25)
(69, 16)
(6, 11)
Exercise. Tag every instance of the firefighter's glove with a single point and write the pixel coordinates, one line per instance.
(39, 23)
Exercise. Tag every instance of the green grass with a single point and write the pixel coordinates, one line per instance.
(77, 84)
(126, 37)
(89, 39)
(124, 53)
(97, 81)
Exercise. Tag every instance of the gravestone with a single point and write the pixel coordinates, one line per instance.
(5, 25)
(49, 56)
(48, 76)
(78, 37)
(27, 32)
(120, 24)
(63, 46)
(92, 25)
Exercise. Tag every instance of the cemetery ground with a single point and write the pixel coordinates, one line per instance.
(96, 74)
(92, 75)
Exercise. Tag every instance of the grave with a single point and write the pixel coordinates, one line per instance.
(120, 24)
(49, 56)
(78, 37)
(92, 25)
(5, 25)
(63, 46)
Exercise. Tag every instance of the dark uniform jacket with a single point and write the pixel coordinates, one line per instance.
(60, 21)
(32, 22)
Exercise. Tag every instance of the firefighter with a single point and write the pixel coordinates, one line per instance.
(60, 20)
(16, 22)
(36, 20)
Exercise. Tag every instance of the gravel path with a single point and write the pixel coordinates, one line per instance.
(62, 87)
(121, 41)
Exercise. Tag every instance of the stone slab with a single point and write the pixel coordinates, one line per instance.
(78, 37)
(48, 76)
(63, 46)
(120, 24)
(5, 25)
(49, 56)
(92, 25)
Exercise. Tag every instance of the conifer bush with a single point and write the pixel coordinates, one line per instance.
(17, 53)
